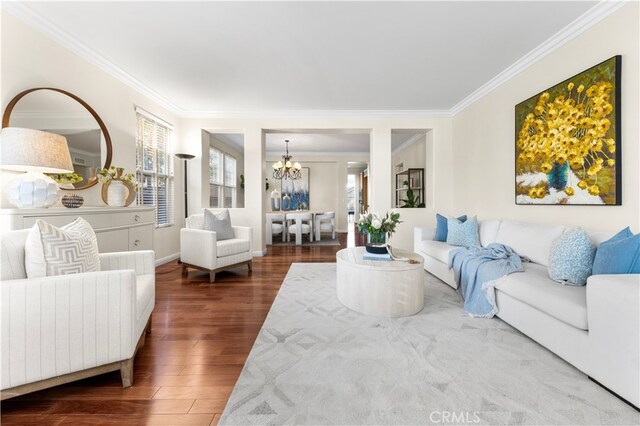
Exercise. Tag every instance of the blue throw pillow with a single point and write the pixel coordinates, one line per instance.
(442, 228)
(618, 255)
(571, 257)
(463, 234)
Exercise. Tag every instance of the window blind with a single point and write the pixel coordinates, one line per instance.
(222, 179)
(215, 166)
(154, 166)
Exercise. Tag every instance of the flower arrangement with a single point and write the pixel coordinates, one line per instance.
(378, 227)
(117, 173)
(66, 179)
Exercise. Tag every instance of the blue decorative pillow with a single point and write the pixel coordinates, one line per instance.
(463, 233)
(618, 255)
(571, 257)
(442, 228)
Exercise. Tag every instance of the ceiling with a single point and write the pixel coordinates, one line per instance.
(315, 143)
(302, 56)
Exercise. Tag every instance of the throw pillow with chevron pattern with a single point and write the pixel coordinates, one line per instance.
(71, 249)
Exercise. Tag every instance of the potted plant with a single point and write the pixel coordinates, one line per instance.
(378, 229)
(411, 201)
(66, 181)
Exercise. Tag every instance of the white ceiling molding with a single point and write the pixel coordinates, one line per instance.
(317, 113)
(408, 142)
(305, 154)
(575, 28)
(27, 15)
(57, 34)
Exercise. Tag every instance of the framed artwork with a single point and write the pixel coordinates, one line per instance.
(568, 141)
(295, 193)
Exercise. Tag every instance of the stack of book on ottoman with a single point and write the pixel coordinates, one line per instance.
(376, 256)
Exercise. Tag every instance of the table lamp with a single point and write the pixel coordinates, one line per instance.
(34, 152)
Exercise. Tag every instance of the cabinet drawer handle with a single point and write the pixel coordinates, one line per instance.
(136, 218)
(136, 243)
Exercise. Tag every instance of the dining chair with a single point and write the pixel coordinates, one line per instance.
(276, 224)
(325, 222)
(298, 224)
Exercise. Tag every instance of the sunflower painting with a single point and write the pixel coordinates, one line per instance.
(568, 141)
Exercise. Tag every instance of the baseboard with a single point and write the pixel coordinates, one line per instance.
(260, 253)
(614, 394)
(167, 259)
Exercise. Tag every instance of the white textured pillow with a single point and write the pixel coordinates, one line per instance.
(219, 222)
(50, 250)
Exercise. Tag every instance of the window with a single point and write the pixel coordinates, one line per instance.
(222, 179)
(154, 166)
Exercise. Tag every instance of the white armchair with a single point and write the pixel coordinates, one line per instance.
(200, 249)
(325, 222)
(302, 223)
(64, 328)
(276, 225)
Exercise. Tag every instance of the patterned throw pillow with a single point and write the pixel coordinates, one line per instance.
(571, 257)
(50, 250)
(442, 228)
(218, 222)
(463, 234)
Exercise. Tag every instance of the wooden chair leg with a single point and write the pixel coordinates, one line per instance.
(250, 266)
(212, 277)
(148, 329)
(184, 269)
(126, 372)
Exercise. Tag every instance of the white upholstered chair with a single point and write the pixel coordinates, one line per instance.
(64, 328)
(325, 222)
(201, 249)
(299, 224)
(276, 225)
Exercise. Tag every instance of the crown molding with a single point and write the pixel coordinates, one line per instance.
(427, 113)
(23, 12)
(309, 154)
(581, 24)
(408, 142)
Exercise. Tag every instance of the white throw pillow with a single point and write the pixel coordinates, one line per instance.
(50, 250)
(219, 222)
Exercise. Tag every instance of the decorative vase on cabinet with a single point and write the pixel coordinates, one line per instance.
(116, 193)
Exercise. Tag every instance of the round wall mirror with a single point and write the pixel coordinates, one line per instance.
(58, 111)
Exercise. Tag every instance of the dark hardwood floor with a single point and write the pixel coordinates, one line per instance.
(201, 336)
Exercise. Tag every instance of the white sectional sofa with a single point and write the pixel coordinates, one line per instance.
(64, 328)
(596, 328)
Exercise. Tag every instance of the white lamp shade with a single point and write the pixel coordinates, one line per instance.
(24, 150)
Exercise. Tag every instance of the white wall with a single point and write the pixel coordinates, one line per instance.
(30, 59)
(484, 132)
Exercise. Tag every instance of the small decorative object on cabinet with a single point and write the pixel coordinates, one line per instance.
(286, 202)
(410, 192)
(118, 189)
(378, 228)
(72, 201)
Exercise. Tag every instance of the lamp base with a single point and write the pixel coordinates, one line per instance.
(33, 190)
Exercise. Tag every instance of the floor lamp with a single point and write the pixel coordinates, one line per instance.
(186, 158)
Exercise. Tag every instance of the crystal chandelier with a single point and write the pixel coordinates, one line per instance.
(286, 169)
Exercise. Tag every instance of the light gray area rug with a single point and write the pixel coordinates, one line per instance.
(317, 362)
